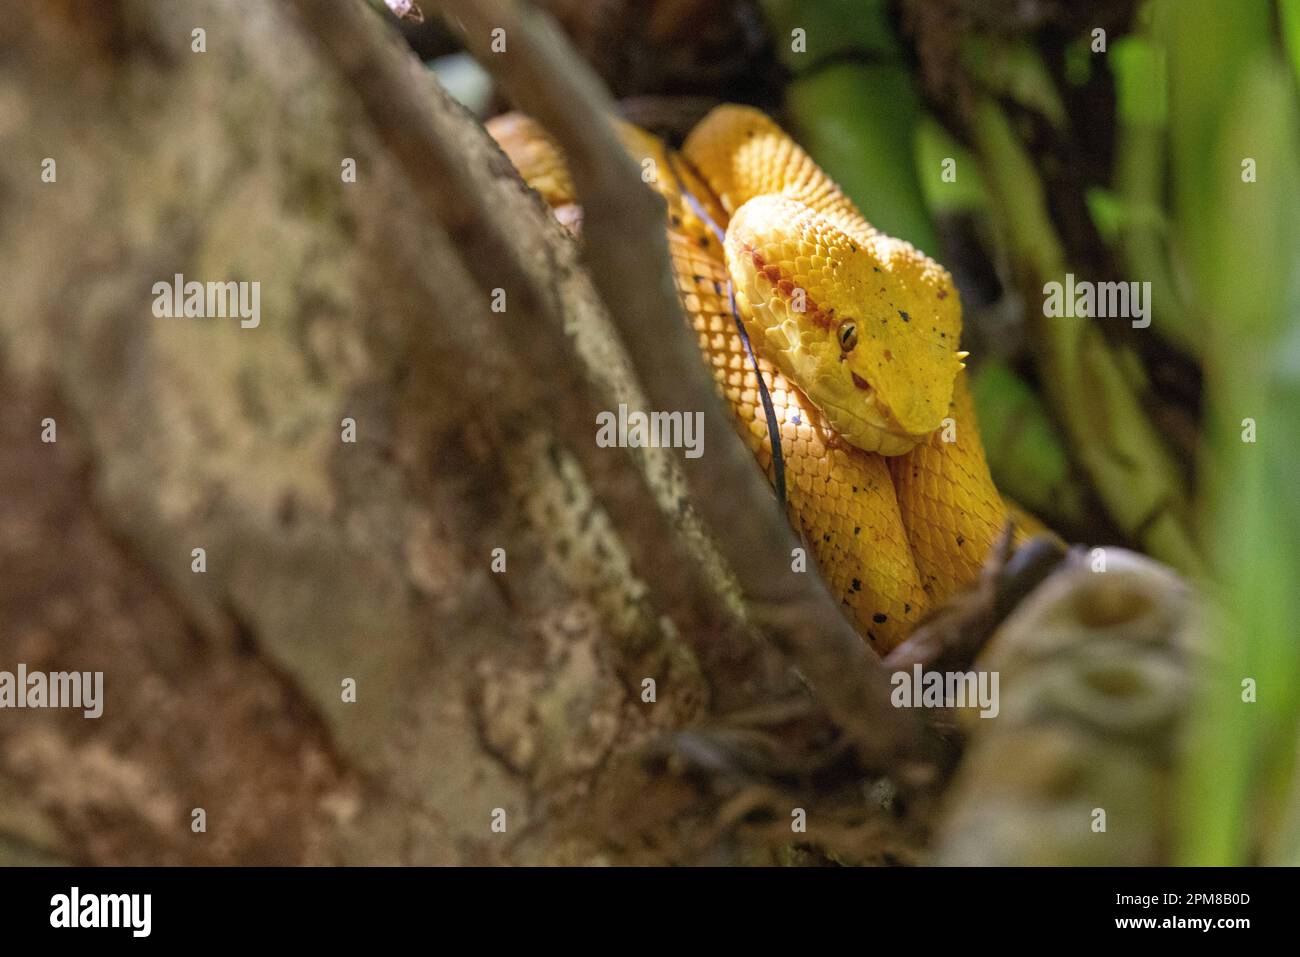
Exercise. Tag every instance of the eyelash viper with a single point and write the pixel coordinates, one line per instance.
(867, 326)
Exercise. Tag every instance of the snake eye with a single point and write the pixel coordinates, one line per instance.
(848, 335)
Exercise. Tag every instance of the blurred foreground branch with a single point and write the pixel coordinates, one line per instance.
(626, 252)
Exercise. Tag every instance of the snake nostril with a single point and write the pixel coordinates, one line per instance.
(860, 382)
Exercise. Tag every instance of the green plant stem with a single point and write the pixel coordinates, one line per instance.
(1111, 437)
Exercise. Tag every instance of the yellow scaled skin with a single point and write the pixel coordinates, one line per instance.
(897, 517)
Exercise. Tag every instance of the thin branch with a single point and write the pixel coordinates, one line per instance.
(627, 252)
(507, 240)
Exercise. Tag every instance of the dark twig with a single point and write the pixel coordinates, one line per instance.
(954, 634)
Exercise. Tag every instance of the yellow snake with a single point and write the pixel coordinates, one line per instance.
(857, 336)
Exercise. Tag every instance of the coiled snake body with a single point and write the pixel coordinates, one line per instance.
(857, 337)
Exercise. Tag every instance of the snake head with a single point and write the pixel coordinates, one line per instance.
(865, 325)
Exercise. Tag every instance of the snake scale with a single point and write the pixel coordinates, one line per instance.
(857, 337)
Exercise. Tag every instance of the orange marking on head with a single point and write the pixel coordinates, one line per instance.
(784, 287)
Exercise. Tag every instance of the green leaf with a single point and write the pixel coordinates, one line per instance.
(859, 123)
